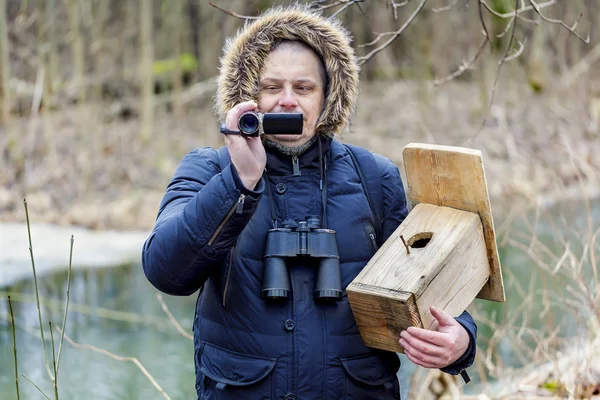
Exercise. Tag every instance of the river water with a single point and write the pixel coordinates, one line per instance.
(116, 309)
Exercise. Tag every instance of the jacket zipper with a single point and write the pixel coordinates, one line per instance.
(370, 231)
(373, 241)
(296, 166)
(231, 253)
(237, 208)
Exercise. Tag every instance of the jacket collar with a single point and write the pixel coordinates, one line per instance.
(281, 164)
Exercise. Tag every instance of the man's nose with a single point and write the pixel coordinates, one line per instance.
(288, 100)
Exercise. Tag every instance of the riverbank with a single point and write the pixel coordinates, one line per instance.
(51, 249)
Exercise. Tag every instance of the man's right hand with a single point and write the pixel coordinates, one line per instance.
(247, 153)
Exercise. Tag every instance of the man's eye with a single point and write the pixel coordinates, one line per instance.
(304, 88)
(270, 88)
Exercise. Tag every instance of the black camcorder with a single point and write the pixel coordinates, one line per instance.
(302, 239)
(252, 123)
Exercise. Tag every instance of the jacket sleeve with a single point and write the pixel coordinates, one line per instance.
(396, 210)
(200, 217)
(466, 360)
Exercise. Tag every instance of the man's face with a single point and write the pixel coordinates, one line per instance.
(290, 82)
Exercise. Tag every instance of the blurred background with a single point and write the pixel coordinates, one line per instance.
(100, 100)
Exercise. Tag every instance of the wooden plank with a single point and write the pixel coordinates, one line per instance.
(454, 177)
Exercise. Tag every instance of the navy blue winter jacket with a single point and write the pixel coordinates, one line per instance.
(210, 234)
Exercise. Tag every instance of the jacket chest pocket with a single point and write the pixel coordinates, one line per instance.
(232, 375)
(367, 378)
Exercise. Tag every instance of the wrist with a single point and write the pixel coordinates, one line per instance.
(246, 183)
(249, 182)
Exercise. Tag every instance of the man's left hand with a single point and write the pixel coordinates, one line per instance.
(435, 349)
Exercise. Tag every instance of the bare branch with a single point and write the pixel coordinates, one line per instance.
(516, 53)
(445, 8)
(118, 358)
(483, 25)
(571, 29)
(364, 59)
(348, 4)
(36, 386)
(317, 4)
(232, 13)
(464, 66)
(64, 324)
(506, 29)
(396, 6)
(175, 323)
(495, 84)
(517, 10)
(14, 337)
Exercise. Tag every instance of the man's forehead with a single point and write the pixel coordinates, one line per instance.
(276, 79)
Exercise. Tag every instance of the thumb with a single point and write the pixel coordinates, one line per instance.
(442, 316)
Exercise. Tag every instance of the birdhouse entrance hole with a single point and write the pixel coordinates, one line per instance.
(420, 240)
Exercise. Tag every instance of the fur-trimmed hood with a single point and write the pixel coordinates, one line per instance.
(245, 53)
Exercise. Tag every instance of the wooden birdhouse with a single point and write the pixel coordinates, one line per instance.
(443, 254)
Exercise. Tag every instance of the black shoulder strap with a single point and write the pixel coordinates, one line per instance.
(368, 173)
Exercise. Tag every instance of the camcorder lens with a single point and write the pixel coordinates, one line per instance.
(249, 123)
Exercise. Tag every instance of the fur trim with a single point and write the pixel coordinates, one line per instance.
(244, 57)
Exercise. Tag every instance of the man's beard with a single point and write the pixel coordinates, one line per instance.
(287, 150)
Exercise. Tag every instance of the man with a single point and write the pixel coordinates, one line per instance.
(212, 225)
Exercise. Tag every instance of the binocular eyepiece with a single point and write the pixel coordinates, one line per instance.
(302, 239)
(252, 123)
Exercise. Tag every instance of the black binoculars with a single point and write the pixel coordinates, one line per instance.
(254, 124)
(302, 239)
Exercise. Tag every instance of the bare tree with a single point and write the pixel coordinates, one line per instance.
(78, 49)
(147, 51)
(5, 100)
(175, 21)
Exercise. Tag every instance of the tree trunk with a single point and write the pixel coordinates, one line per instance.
(147, 111)
(5, 100)
(98, 44)
(78, 51)
(176, 18)
(52, 53)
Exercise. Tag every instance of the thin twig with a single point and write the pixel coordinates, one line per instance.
(348, 4)
(99, 312)
(54, 381)
(516, 53)
(495, 84)
(62, 336)
(36, 386)
(364, 59)
(172, 318)
(593, 260)
(118, 358)
(396, 6)
(232, 13)
(445, 8)
(14, 335)
(516, 11)
(560, 22)
(37, 293)
(484, 26)
(506, 29)
(464, 66)
(317, 4)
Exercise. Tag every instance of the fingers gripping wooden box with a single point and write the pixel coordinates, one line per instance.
(443, 254)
